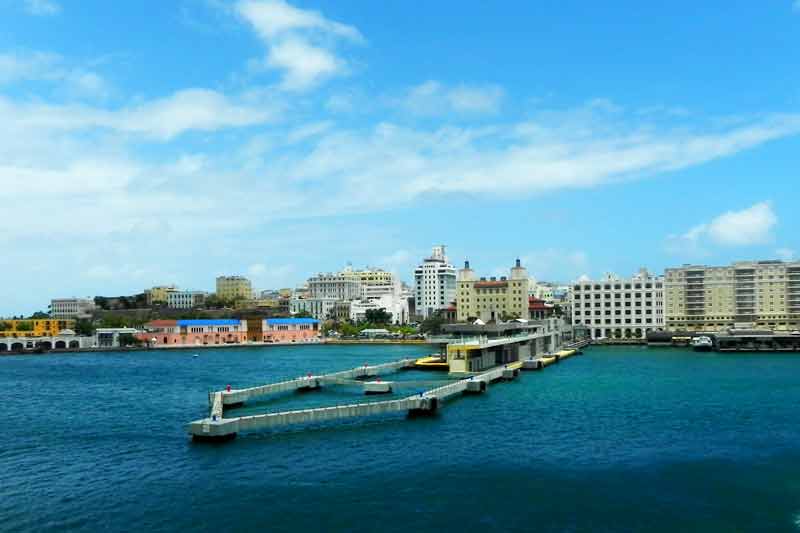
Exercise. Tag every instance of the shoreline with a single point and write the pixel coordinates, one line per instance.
(35, 352)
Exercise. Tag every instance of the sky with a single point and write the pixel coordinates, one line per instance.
(146, 143)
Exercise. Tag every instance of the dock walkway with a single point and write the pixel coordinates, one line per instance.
(216, 427)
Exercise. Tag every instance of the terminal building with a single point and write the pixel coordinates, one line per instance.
(745, 295)
(619, 308)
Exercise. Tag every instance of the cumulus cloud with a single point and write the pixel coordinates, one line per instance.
(747, 227)
(42, 7)
(300, 43)
(434, 98)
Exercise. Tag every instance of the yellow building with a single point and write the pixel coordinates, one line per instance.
(234, 288)
(369, 276)
(159, 294)
(34, 327)
(752, 294)
(492, 299)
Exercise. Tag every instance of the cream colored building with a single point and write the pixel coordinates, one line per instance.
(159, 294)
(615, 307)
(492, 298)
(747, 294)
(234, 288)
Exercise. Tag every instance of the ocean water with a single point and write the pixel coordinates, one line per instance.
(619, 439)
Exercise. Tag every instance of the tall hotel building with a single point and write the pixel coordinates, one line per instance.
(434, 283)
(752, 294)
(619, 308)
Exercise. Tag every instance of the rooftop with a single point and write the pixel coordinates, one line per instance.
(210, 322)
(291, 321)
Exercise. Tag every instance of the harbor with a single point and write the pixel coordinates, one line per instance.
(555, 432)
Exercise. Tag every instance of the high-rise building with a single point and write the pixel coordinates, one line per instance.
(234, 288)
(747, 294)
(619, 308)
(434, 283)
(72, 307)
(492, 298)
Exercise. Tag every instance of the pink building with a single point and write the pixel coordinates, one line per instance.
(194, 332)
(291, 330)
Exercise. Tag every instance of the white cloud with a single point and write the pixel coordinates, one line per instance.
(164, 118)
(18, 67)
(434, 98)
(747, 227)
(785, 254)
(554, 264)
(299, 42)
(305, 65)
(275, 18)
(42, 7)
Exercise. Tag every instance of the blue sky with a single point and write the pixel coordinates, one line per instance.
(159, 142)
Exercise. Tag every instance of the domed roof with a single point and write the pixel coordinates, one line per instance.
(67, 332)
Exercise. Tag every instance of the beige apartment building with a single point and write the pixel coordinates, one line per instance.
(234, 288)
(492, 298)
(747, 294)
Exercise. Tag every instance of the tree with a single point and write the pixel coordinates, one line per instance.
(378, 316)
(39, 315)
(25, 326)
(4, 325)
(84, 327)
(432, 324)
(348, 330)
(303, 314)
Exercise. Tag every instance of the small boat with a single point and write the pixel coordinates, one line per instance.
(434, 362)
(196, 355)
(702, 343)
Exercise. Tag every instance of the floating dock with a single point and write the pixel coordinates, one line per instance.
(218, 428)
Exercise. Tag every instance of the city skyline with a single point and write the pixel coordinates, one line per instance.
(175, 143)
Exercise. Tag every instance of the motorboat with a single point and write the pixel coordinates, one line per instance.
(702, 343)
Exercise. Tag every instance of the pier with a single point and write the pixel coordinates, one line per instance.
(218, 428)
(237, 397)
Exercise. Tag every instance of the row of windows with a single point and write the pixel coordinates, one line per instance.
(618, 312)
(616, 321)
(617, 286)
(609, 295)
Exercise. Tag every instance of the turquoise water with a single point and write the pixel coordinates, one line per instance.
(620, 439)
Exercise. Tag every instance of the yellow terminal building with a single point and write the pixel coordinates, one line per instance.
(34, 327)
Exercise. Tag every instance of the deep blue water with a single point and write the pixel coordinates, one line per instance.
(620, 439)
